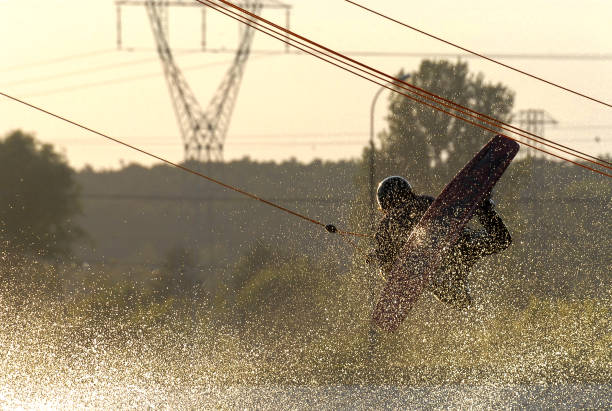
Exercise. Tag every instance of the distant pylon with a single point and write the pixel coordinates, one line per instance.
(203, 132)
(534, 121)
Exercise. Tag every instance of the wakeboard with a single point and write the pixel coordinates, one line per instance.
(439, 229)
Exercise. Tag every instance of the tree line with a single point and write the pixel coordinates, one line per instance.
(183, 232)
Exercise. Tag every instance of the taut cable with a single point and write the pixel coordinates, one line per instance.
(329, 227)
(355, 65)
(478, 54)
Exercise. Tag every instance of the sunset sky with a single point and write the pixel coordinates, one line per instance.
(289, 105)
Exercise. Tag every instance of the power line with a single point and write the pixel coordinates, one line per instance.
(78, 72)
(94, 84)
(517, 56)
(373, 75)
(318, 134)
(430, 97)
(246, 143)
(258, 142)
(308, 146)
(314, 136)
(120, 80)
(260, 53)
(104, 83)
(421, 54)
(479, 54)
(58, 60)
(90, 70)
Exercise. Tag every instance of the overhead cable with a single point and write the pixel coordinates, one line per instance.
(383, 79)
(124, 79)
(479, 54)
(397, 53)
(368, 70)
(88, 70)
(58, 60)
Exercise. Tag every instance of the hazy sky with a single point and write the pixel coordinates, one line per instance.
(289, 105)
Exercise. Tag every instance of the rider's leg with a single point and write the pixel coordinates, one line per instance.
(451, 287)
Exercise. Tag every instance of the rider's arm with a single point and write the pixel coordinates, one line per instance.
(384, 252)
(499, 236)
(494, 238)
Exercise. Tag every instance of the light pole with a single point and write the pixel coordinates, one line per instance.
(372, 332)
(372, 191)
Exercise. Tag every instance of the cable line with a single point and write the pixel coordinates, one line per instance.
(329, 227)
(82, 71)
(429, 96)
(92, 70)
(478, 54)
(462, 109)
(326, 54)
(59, 59)
(125, 79)
(378, 53)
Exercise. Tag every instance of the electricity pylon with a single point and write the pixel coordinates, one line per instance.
(534, 121)
(203, 132)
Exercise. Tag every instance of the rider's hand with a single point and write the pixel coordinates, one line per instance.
(486, 207)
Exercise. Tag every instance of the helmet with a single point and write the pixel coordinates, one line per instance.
(393, 192)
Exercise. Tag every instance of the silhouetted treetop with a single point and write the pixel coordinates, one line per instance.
(431, 146)
(38, 198)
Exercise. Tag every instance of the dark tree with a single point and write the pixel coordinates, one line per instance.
(429, 146)
(38, 198)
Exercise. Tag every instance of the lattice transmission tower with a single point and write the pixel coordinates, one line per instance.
(534, 121)
(203, 131)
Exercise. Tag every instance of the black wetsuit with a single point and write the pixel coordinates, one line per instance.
(449, 283)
